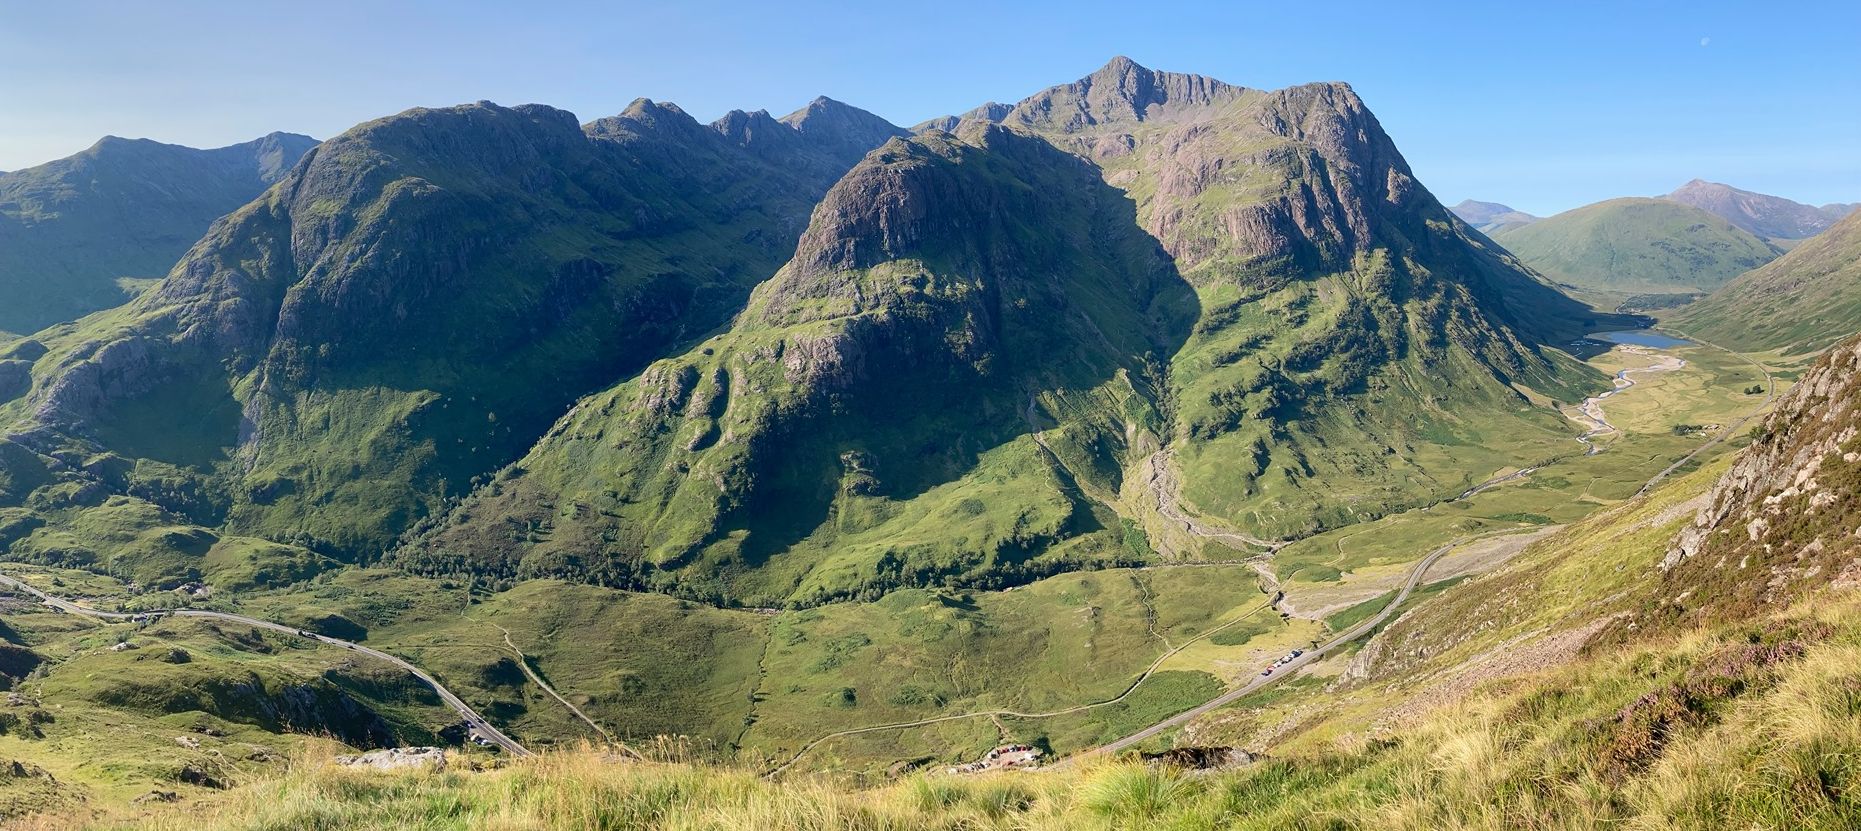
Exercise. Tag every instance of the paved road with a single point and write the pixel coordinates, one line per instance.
(479, 726)
(1292, 667)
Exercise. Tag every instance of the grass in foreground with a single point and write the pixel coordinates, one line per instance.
(1751, 725)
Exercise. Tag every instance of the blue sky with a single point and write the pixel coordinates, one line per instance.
(1544, 106)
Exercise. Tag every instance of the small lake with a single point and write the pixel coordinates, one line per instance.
(1641, 337)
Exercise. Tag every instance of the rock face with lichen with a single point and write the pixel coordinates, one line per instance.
(398, 758)
(1781, 520)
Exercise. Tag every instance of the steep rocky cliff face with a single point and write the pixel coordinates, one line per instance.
(413, 306)
(1781, 521)
(1351, 328)
(73, 229)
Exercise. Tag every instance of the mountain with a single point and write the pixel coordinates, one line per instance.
(865, 413)
(1771, 217)
(1799, 303)
(73, 232)
(1637, 246)
(1693, 646)
(991, 112)
(1491, 217)
(996, 353)
(847, 132)
(413, 306)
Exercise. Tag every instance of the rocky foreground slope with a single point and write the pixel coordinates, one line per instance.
(1786, 519)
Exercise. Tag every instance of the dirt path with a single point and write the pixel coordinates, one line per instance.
(476, 723)
(523, 663)
(1289, 669)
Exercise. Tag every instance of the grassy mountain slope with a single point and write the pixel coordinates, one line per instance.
(1799, 303)
(865, 424)
(413, 307)
(864, 421)
(1684, 691)
(1637, 246)
(75, 234)
(1354, 336)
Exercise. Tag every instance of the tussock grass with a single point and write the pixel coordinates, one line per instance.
(1777, 746)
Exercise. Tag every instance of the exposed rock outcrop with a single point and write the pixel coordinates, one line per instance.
(398, 758)
(1781, 520)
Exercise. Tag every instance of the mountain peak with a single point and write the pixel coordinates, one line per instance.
(846, 129)
(1119, 66)
(1772, 217)
(827, 113)
(992, 112)
(645, 115)
(1488, 216)
(1120, 91)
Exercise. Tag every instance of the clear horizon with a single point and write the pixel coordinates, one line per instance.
(1542, 110)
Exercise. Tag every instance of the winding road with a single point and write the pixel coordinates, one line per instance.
(478, 725)
(1290, 668)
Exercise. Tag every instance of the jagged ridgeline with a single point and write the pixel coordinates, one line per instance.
(994, 346)
(411, 307)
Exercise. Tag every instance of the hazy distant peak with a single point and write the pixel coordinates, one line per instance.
(1768, 216)
(1484, 214)
(992, 113)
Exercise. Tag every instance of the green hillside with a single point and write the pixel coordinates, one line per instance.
(1639, 668)
(863, 423)
(869, 421)
(1797, 304)
(85, 233)
(1636, 246)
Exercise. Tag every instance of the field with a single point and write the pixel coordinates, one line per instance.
(1772, 747)
(1066, 663)
(1709, 393)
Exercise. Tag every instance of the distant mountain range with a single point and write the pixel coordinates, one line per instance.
(1771, 217)
(1637, 246)
(1686, 243)
(1491, 217)
(76, 233)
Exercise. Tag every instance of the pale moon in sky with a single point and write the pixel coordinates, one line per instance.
(1705, 41)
